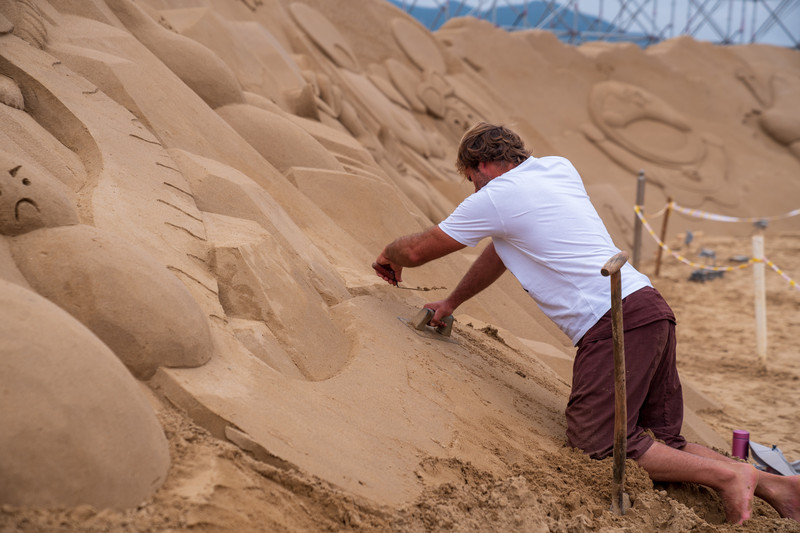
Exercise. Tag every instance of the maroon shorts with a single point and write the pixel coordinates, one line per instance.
(655, 400)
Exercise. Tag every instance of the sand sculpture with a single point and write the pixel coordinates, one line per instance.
(782, 120)
(192, 193)
(77, 427)
(10, 94)
(325, 35)
(423, 51)
(201, 69)
(107, 285)
(257, 59)
(771, 91)
(639, 130)
(266, 132)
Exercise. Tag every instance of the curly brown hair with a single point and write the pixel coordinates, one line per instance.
(485, 142)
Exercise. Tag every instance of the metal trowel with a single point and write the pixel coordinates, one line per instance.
(419, 325)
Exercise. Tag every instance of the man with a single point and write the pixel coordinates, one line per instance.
(545, 230)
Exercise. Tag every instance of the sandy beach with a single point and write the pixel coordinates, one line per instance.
(193, 192)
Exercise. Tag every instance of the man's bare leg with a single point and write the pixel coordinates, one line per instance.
(735, 482)
(781, 492)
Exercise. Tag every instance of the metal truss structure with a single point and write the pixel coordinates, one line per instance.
(641, 21)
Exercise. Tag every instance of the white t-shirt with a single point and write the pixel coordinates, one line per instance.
(549, 235)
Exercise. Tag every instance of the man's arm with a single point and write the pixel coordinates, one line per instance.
(483, 272)
(419, 248)
(414, 250)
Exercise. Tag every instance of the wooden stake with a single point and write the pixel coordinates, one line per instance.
(760, 293)
(663, 235)
(619, 500)
(637, 223)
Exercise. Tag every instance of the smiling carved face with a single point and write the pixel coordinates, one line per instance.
(29, 200)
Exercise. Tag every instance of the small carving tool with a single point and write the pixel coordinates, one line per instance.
(386, 271)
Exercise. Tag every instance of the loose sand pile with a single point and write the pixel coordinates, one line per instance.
(191, 196)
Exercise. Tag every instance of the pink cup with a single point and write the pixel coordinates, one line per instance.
(741, 443)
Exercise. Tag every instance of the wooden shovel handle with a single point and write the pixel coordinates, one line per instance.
(612, 268)
(614, 264)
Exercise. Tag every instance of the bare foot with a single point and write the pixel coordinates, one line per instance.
(738, 493)
(784, 494)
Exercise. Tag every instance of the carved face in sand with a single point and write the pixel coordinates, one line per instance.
(29, 200)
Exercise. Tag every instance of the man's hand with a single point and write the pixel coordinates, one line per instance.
(441, 309)
(413, 250)
(388, 271)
